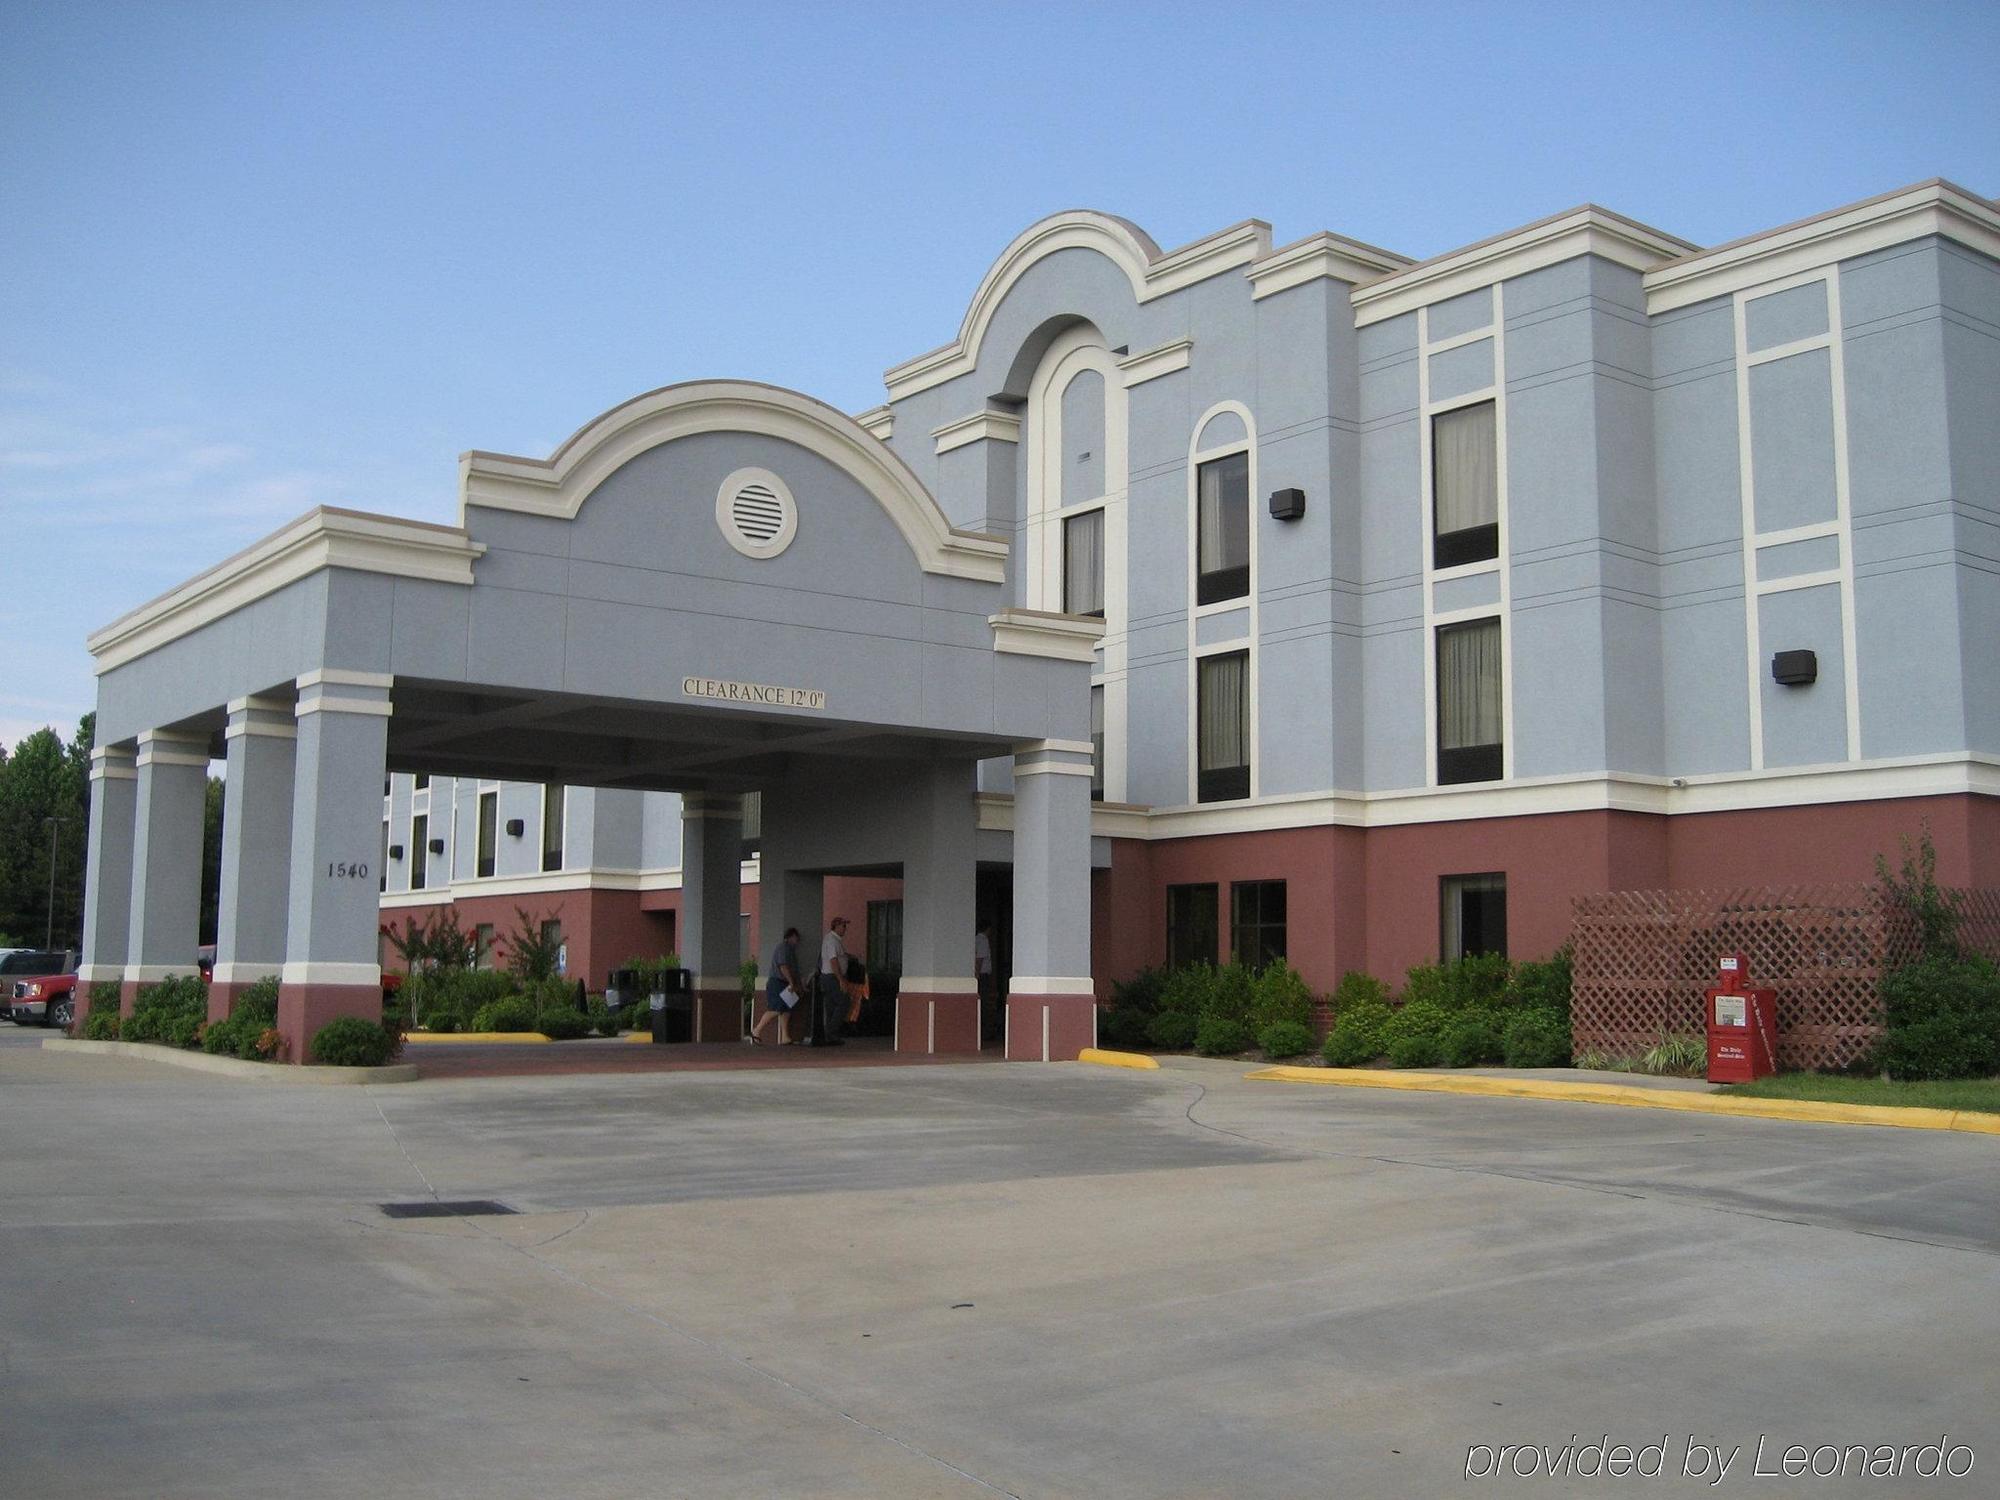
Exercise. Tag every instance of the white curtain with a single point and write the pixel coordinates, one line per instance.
(1465, 468)
(1469, 685)
(1083, 564)
(1223, 513)
(1223, 734)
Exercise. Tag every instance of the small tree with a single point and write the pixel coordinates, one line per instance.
(435, 944)
(532, 949)
(1914, 888)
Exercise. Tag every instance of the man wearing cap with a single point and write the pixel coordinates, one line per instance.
(832, 966)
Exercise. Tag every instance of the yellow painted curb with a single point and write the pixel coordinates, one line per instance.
(1815, 1111)
(436, 1038)
(1107, 1059)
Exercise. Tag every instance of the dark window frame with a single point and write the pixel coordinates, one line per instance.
(1223, 585)
(1494, 913)
(486, 837)
(1464, 764)
(1083, 512)
(556, 796)
(1468, 544)
(1223, 783)
(1270, 915)
(1186, 928)
(420, 850)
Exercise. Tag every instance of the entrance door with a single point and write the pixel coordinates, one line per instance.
(994, 902)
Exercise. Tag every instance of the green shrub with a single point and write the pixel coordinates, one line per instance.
(258, 1002)
(1940, 1019)
(1120, 1027)
(1172, 1029)
(1412, 1036)
(1231, 997)
(1537, 1038)
(509, 1013)
(562, 1023)
(1187, 991)
(351, 1042)
(1360, 1011)
(101, 1025)
(1140, 995)
(1470, 1040)
(601, 1020)
(1221, 1036)
(447, 999)
(1541, 984)
(1285, 1039)
(171, 1012)
(1475, 983)
(1676, 1056)
(1356, 988)
(1278, 994)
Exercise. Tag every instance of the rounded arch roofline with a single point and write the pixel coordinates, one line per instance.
(1151, 272)
(558, 485)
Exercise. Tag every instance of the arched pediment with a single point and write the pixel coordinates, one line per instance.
(1151, 271)
(558, 485)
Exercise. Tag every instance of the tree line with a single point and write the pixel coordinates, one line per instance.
(44, 840)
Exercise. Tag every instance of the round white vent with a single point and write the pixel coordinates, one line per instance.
(754, 508)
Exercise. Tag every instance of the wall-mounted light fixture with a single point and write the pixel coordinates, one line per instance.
(1288, 505)
(395, 851)
(437, 846)
(1795, 668)
(516, 827)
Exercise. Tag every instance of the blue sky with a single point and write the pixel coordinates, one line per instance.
(255, 258)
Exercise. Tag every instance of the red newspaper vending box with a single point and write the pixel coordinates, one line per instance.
(1742, 1025)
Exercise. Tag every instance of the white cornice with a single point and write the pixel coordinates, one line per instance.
(1588, 230)
(1322, 255)
(1151, 364)
(1035, 632)
(996, 426)
(322, 538)
(1935, 207)
(558, 485)
(878, 422)
(1151, 272)
(1801, 786)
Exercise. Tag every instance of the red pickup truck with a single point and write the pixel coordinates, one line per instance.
(38, 988)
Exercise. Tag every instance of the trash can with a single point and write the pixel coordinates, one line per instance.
(672, 1001)
(621, 990)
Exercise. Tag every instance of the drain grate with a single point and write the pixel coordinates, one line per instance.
(451, 1209)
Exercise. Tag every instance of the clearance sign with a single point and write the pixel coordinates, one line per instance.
(761, 694)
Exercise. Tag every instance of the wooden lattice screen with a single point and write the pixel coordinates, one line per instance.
(1644, 958)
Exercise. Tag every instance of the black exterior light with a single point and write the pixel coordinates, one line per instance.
(1795, 668)
(437, 846)
(516, 827)
(395, 851)
(1288, 505)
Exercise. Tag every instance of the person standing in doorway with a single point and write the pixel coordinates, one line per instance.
(982, 970)
(783, 989)
(832, 999)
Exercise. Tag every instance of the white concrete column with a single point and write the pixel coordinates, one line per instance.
(166, 859)
(332, 943)
(711, 909)
(937, 1005)
(257, 795)
(107, 885)
(1051, 999)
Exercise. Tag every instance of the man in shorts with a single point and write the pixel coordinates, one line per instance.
(782, 981)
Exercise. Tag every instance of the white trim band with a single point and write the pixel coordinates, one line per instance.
(340, 677)
(244, 972)
(925, 984)
(314, 972)
(987, 426)
(1055, 986)
(344, 706)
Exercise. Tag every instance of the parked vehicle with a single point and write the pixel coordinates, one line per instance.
(40, 987)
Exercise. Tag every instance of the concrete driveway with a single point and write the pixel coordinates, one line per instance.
(1023, 1280)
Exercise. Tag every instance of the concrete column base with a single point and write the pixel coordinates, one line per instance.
(304, 1008)
(1049, 1028)
(935, 1024)
(718, 1015)
(221, 996)
(128, 996)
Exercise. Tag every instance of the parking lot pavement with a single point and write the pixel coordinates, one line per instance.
(1017, 1280)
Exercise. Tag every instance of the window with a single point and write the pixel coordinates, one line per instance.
(1222, 529)
(1191, 925)
(420, 851)
(1468, 702)
(421, 780)
(1083, 564)
(489, 828)
(1222, 727)
(383, 883)
(752, 834)
(552, 937)
(553, 800)
(885, 937)
(1465, 486)
(1097, 744)
(1473, 916)
(1257, 922)
(482, 946)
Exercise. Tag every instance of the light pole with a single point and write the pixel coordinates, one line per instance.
(54, 825)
